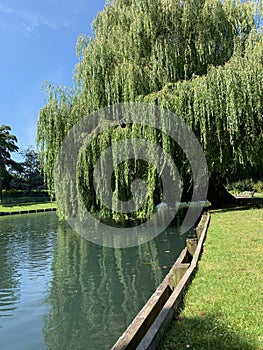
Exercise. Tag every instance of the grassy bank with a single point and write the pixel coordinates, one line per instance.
(223, 308)
(26, 206)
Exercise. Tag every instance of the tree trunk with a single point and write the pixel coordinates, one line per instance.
(218, 195)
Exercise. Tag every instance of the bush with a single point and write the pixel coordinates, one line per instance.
(258, 187)
(242, 186)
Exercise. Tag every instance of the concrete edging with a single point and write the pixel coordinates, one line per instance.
(146, 329)
(30, 211)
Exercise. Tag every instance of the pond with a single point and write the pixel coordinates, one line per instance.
(60, 291)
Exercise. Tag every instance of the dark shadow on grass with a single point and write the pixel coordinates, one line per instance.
(241, 204)
(206, 332)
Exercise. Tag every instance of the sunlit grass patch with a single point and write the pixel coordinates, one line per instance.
(5, 208)
(223, 308)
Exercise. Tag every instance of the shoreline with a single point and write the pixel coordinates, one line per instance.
(26, 211)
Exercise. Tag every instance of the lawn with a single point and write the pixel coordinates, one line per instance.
(223, 308)
(26, 206)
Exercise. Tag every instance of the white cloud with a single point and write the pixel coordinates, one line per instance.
(29, 23)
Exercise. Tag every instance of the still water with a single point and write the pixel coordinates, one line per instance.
(59, 291)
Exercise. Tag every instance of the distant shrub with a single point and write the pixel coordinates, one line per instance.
(258, 187)
(242, 186)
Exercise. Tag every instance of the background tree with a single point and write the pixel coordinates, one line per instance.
(28, 176)
(31, 174)
(199, 58)
(7, 146)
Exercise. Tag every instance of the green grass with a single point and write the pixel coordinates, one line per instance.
(26, 206)
(223, 308)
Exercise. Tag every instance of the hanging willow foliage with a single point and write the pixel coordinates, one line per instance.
(225, 108)
(199, 58)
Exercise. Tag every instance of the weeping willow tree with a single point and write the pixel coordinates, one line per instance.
(225, 109)
(202, 59)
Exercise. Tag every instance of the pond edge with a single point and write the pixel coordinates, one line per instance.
(148, 326)
(29, 211)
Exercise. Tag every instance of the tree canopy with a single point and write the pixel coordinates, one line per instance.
(31, 175)
(7, 146)
(202, 59)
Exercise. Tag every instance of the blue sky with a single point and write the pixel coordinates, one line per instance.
(38, 40)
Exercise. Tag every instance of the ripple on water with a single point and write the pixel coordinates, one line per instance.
(8, 302)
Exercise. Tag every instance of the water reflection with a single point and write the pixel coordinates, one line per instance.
(26, 245)
(60, 291)
(9, 286)
(97, 291)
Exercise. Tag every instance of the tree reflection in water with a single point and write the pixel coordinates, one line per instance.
(97, 291)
